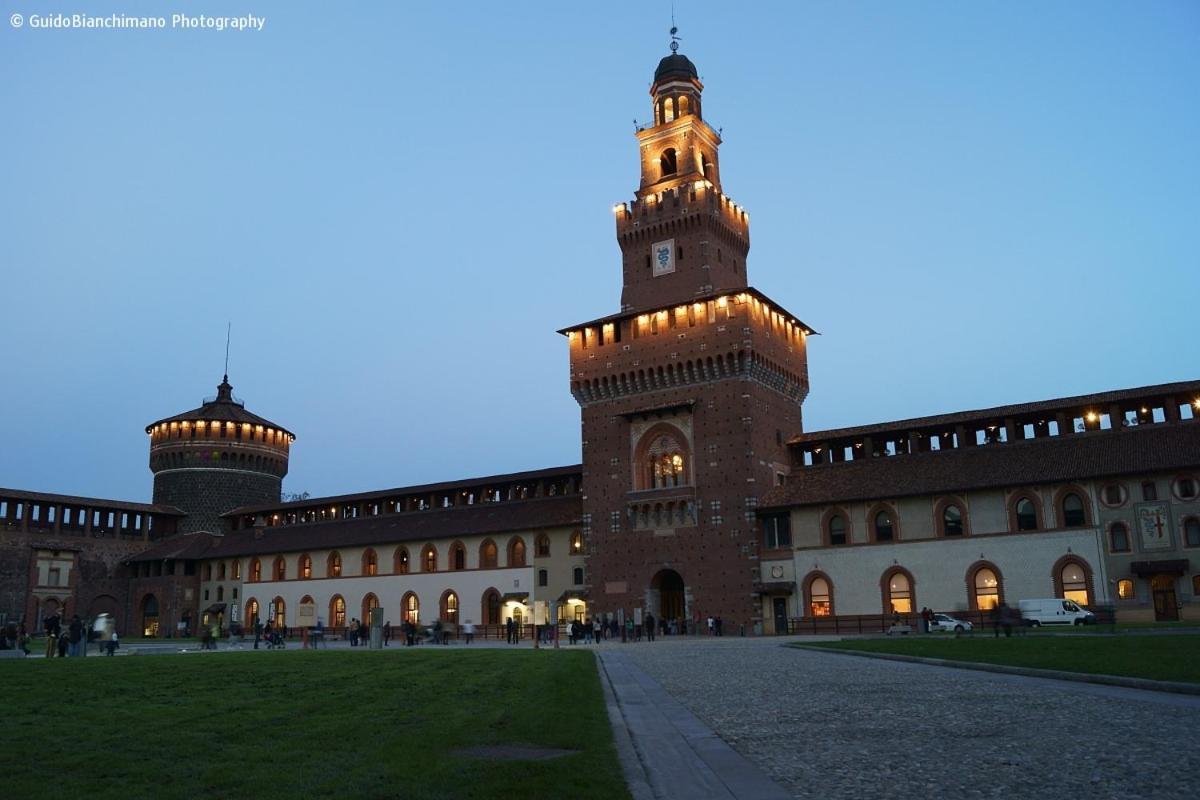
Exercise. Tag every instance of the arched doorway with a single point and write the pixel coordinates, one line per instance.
(1162, 589)
(667, 598)
(150, 616)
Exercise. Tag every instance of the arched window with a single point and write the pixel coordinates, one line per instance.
(491, 607)
(255, 571)
(370, 563)
(306, 566)
(668, 109)
(820, 597)
(1191, 533)
(220, 593)
(837, 529)
(410, 608)
(986, 586)
(449, 608)
(251, 611)
(577, 575)
(279, 611)
(221, 571)
(1118, 536)
(337, 611)
(1074, 581)
(543, 577)
(952, 520)
(333, 567)
(705, 165)
(1073, 514)
(1027, 516)
(487, 554)
(683, 104)
(668, 162)
(429, 559)
(884, 527)
(458, 556)
(576, 543)
(898, 592)
(369, 602)
(237, 570)
(1125, 589)
(208, 572)
(516, 552)
(280, 569)
(662, 459)
(543, 545)
(400, 561)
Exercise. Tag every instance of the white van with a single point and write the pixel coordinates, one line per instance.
(1055, 611)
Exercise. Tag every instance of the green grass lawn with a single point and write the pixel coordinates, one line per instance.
(1174, 657)
(305, 724)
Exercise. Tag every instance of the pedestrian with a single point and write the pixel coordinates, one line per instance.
(113, 643)
(387, 632)
(64, 643)
(926, 619)
(468, 631)
(629, 629)
(649, 627)
(258, 631)
(593, 631)
(712, 624)
(353, 632)
(994, 618)
(75, 636)
(511, 629)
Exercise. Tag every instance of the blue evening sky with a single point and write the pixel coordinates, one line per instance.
(397, 204)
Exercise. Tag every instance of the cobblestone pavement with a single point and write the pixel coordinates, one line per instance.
(835, 726)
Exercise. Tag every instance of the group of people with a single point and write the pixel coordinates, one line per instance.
(14, 637)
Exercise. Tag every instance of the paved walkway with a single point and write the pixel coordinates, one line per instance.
(834, 726)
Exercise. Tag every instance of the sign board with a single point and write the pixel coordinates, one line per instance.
(1154, 526)
(306, 615)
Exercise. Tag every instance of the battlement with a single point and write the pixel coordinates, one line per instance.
(695, 198)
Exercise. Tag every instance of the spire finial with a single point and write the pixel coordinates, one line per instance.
(228, 331)
(674, 30)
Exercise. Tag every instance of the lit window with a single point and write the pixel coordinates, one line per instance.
(987, 589)
(668, 160)
(487, 555)
(1073, 514)
(370, 563)
(334, 565)
(306, 566)
(1119, 536)
(255, 570)
(1026, 515)
(900, 593)
(279, 612)
(450, 608)
(401, 561)
(820, 602)
(576, 543)
(251, 611)
(429, 559)
(237, 570)
(663, 462)
(337, 612)
(411, 608)
(1125, 589)
(516, 552)
(1074, 583)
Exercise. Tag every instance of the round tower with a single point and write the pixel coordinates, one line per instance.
(216, 458)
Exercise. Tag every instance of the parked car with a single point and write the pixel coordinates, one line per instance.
(1055, 611)
(945, 622)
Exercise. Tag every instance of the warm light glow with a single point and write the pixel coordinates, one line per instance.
(1080, 596)
(618, 208)
(722, 302)
(644, 319)
(1091, 416)
(1197, 403)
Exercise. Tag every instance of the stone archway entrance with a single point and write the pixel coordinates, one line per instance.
(150, 616)
(667, 599)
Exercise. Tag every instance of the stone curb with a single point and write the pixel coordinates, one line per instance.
(1144, 684)
(635, 772)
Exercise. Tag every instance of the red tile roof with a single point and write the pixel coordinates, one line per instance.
(415, 526)
(1056, 459)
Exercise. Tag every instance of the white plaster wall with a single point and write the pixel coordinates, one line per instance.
(939, 568)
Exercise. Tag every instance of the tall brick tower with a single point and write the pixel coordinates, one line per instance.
(216, 458)
(689, 393)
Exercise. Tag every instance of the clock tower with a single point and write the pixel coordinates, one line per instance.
(689, 393)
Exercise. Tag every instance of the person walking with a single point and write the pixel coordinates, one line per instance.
(510, 628)
(75, 636)
(468, 631)
(113, 643)
(650, 622)
(387, 632)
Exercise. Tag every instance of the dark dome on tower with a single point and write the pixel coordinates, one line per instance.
(675, 66)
